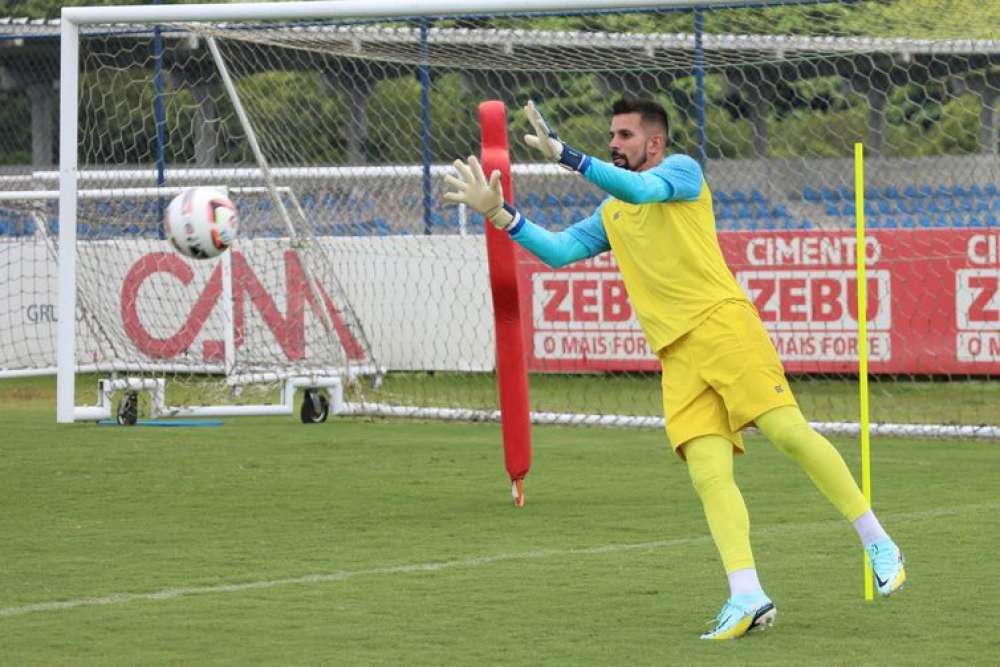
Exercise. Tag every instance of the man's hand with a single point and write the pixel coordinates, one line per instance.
(544, 138)
(472, 189)
(547, 141)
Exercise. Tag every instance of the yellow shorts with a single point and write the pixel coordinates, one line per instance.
(720, 376)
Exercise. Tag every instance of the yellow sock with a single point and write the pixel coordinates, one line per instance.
(791, 433)
(710, 464)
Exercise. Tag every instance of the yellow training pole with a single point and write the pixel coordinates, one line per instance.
(866, 468)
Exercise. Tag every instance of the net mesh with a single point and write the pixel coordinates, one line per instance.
(359, 120)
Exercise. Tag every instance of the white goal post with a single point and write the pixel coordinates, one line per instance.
(333, 123)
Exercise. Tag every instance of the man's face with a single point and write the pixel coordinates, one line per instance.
(631, 142)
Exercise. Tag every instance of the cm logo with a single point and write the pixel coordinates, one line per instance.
(288, 329)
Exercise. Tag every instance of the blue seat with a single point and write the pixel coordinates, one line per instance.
(845, 192)
(832, 209)
(991, 190)
(959, 191)
(891, 192)
(591, 199)
(722, 197)
(779, 211)
(829, 195)
(810, 194)
(569, 199)
(890, 223)
(740, 197)
(757, 196)
(885, 207)
(909, 222)
(805, 223)
(744, 212)
(550, 200)
(991, 221)
(925, 221)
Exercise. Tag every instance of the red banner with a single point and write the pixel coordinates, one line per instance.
(933, 303)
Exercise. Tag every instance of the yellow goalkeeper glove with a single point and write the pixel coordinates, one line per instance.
(473, 190)
(547, 141)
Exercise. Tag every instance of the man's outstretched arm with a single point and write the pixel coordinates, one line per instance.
(584, 239)
(678, 177)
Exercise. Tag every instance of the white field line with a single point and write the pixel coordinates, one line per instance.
(478, 561)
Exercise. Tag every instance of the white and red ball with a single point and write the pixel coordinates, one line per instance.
(201, 223)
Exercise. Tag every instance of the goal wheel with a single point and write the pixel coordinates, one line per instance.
(128, 409)
(315, 407)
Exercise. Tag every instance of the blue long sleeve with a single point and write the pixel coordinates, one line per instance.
(554, 248)
(678, 177)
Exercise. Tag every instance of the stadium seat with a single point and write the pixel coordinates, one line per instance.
(891, 192)
(811, 194)
(569, 199)
(591, 200)
(991, 190)
(845, 193)
(779, 211)
(829, 195)
(959, 191)
(991, 221)
(885, 207)
(757, 196)
(740, 197)
(832, 209)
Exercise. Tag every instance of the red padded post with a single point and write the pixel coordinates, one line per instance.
(512, 370)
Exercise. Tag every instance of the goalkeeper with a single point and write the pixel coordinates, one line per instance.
(720, 371)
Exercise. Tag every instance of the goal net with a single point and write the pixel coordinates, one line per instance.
(332, 135)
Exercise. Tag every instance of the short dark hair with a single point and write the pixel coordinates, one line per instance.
(650, 111)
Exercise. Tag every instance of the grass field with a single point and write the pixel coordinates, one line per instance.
(396, 542)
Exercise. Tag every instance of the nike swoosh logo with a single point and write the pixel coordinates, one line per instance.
(880, 582)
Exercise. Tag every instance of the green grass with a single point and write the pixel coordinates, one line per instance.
(895, 400)
(608, 563)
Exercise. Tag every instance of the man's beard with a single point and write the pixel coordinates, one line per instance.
(619, 160)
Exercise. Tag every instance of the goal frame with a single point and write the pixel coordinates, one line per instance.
(73, 18)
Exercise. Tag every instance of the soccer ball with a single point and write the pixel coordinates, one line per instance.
(201, 223)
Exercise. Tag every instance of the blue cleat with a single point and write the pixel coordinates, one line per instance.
(740, 615)
(887, 566)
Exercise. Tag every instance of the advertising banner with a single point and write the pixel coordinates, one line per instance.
(933, 303)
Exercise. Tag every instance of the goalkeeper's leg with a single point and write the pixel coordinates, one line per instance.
(710, 464)
(791, 433)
